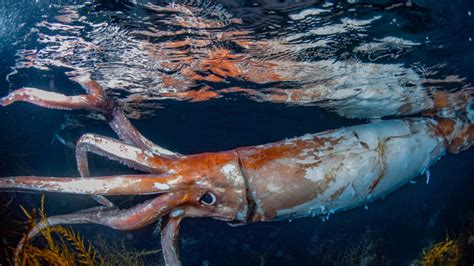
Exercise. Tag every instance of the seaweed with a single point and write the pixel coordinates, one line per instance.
(59, 246)
(11, 229)
(366, 251)
(447, 252)
(452, 251)
(120, 253)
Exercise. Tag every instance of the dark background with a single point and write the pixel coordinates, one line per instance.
(396, 228)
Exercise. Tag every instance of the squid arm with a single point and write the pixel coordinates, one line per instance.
(315, 174)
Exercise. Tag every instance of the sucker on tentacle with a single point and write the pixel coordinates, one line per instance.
(315, 174)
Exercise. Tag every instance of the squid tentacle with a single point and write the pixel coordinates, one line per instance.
(51, 100)
(83, 168)
(103, 201)
(95, 100)
(129, 134)
(169, 239)
(105, 185)
(116, 150)
(135, 217)
(59, 101)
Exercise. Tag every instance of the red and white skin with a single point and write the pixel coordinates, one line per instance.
(315, 174)
(324, 173)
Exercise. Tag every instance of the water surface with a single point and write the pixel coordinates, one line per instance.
(153, 57)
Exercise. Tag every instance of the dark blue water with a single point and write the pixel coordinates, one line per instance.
(393, 231)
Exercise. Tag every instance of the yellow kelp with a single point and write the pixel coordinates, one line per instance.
(58, 245)
(446, 253)
(62, 246)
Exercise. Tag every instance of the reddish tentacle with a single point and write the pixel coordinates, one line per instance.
(106, 185)
(169, 239)
(136, 217)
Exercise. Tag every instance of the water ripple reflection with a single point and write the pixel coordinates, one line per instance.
(336, 55)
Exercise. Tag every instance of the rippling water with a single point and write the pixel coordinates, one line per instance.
(145, 52)
(203, 76)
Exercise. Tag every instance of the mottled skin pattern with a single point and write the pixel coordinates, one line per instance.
(311, 175)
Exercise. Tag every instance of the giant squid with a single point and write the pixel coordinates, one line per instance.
(312, 175)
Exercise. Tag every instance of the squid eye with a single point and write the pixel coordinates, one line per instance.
(208, 199)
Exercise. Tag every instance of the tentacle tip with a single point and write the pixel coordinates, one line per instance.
(3, 101)
(7, 100)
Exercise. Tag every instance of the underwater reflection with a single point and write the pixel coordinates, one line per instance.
(202, 51)
(390, 64)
